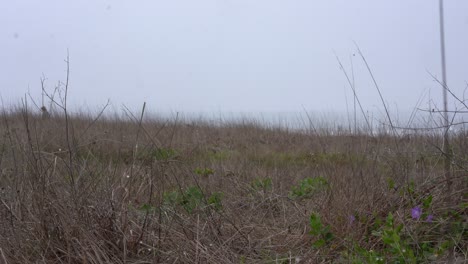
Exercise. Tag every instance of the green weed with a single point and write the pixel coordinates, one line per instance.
(308, 187)
(261, 184)
(320, 231)
(204, 171)
(192, 199)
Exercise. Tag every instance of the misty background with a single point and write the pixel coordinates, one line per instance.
(233, 56)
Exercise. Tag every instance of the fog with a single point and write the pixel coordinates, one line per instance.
(233, 56)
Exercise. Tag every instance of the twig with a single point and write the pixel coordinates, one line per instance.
(377, 87)
(95, 119)
(3, 256)
(354, 91)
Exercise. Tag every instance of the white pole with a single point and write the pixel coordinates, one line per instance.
(446, 148)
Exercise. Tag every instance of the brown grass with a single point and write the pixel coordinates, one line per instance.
(101, 196)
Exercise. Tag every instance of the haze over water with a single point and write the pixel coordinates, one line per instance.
(268, 59)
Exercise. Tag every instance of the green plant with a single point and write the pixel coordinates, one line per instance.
(163, 153)
(261, 184)
(308, 187)
(204, 171)
(172, 198)
(192, 198)
(391, 183)
(397, 247)
(147, 208)
(320, 231)
(215, 201)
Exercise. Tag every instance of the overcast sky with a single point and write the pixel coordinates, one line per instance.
(231, 55)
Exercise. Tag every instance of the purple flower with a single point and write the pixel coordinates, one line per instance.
(416, 212)
(351, 219)
(429, 218)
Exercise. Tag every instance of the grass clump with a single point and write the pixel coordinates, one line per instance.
(307, 187)
(261, 184)
(321, 232)
(192, 199)
(204, 171)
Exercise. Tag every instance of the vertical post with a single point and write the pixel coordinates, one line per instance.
(447, 151)
(448, 177)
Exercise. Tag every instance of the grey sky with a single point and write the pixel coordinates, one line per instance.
(231, 55)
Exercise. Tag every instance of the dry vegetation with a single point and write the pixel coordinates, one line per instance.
(117, 190)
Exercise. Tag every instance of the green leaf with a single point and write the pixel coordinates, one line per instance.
(146, 207)
(427, 202)
(387, 240)
(215, 201)
(319, 243)
(308, 187)
(391, 183)
(328, 236)
(315, 224)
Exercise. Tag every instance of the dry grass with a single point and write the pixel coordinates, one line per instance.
(103, 194)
